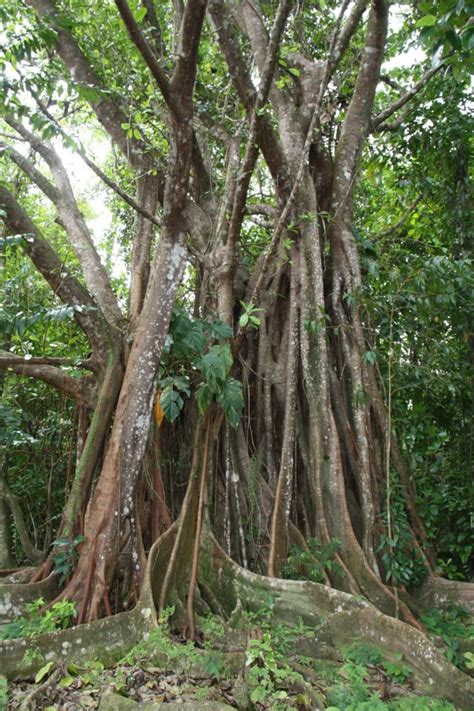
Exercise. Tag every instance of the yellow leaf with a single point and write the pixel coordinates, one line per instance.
(159, 414)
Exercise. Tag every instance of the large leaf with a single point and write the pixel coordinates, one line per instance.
(216, 363)
(231, 399)
(171, 403)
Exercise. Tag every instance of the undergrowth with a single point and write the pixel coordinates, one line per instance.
(38, 621)
(312, 563)
(452, 624)
(274, 675)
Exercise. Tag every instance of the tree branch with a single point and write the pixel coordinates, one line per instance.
(95, 168)
(108, 112)
(138, 39)
(356, 123)
(65, 383)
(251, 153)
(72, 221)
(394, 228)
(51, 267)
(238, 71)
(32, 553)
(32, 172)
(348, 29)
(151, 18)
(182, 81)
(378, 120)
(6, 357)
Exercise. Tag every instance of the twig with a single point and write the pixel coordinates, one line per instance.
(28, 704)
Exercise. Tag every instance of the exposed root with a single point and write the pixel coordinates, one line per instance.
(15, 596)
(197, 539)
(30, 702)
(337, 618)
(439, 592)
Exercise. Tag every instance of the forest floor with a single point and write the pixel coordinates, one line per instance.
(190, 677)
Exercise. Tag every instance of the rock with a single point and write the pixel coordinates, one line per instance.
(115, 702)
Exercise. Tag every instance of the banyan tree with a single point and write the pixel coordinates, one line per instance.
(226, 405)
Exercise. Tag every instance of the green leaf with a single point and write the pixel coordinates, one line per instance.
(66, 681)
(140, 14)
(216, 363)
(370, 357)
(44, 671)
(204, 395)
(219, 330)
(181, 383)
(171, 403)
(426, 21)
(194, 339)
(243, 320)
(231, 399)
(469, 660)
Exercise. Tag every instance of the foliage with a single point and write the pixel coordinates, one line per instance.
(191, 350)
(353, 692)
(268, 673)
(451, 623)
(66, 556)
(418, 287)
(268, 667)
(59, 616)
(35, 420)
(313, 562)
(446, 28)
(3, 693)
(248, 316)
(403, 564)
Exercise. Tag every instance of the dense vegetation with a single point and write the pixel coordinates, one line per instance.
(237, 325)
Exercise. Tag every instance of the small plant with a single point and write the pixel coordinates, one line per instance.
(398, 672)
(420, 703)
(403, 565)
(3, 693)
(313, 562)
(363, 654)
(212, 627)
(451, 624)
(469, 660)
(268, 674)
(202, 693)
(33, 655)
(66, 556)
(58, 617)
(353, 693)
(249, 316)
(352, 689)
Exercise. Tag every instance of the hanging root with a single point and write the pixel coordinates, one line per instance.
(197, 539)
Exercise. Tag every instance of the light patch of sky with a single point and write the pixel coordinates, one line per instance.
(88, 187)
(410, 56)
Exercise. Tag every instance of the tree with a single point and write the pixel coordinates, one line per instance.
(242, 192)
